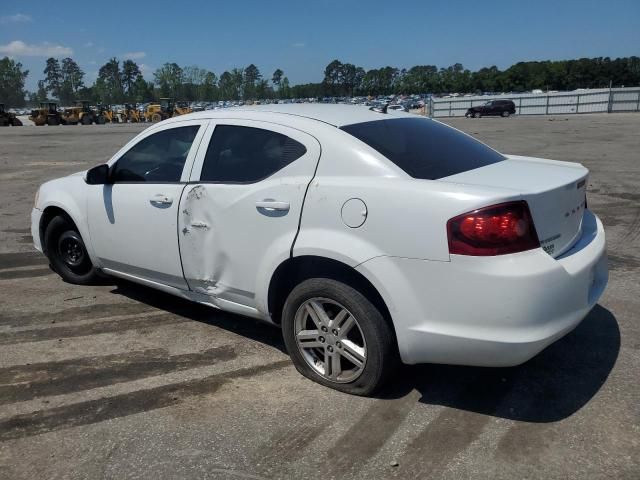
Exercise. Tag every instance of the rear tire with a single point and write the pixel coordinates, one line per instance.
(17, 122)
(52, 121)
(506, 114)
(477, 115)
(354, 331)
(67, 252)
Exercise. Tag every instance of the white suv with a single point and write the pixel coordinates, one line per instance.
(369, 237)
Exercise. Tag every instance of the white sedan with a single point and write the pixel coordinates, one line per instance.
(369, 237)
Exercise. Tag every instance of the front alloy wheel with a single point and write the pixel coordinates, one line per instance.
(330, 340)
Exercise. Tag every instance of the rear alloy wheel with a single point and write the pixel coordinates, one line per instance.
(156, 117)
(337, 337)
(506, 114)
(477, 115)
(85, 120)
(67, 252)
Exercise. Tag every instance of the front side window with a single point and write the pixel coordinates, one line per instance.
(157, 158)
(423, 148)
(245, 154)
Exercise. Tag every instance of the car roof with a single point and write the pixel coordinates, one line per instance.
(336, 115)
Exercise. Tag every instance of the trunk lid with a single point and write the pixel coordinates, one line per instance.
(555, 192)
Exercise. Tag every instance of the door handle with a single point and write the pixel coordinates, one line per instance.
(272, 205)
(161, 200)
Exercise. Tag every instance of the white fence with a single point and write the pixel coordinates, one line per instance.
(603, 100)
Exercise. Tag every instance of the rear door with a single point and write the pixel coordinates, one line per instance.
(242, 208)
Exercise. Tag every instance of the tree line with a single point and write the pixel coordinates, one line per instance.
(123, 82)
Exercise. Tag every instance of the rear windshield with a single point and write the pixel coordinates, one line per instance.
(423, 148)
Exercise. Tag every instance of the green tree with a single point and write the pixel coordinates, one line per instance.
(130, 73)
(12, 79)
(225, 84)
(141, 91)
(53, 77)
(276, 78)
(71, 81)
(251, 77)
(210, 90)
(285, 90)
(109, 83)
(169, 79)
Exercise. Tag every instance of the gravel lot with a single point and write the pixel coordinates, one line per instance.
(119, 381)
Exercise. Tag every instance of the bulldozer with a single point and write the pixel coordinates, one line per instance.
(167, 108)
(130, 113)
(8, 118)
(47, 114)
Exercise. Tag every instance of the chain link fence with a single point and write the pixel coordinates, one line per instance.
(605, 100)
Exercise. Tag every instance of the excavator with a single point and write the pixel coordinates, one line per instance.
(8, 118)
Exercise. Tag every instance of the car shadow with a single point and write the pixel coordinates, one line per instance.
(238, 324)
(552, 386)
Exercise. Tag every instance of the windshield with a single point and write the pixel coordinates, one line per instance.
(425, 149)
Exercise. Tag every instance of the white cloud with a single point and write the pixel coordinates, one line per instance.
(134, 55)
(299, 45)
(88, 44)
(18, 48)
(17, 18)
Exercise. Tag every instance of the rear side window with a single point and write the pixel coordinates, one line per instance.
(423, 148)
(245, 154)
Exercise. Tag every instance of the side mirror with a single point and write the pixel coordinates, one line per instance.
(98, 175)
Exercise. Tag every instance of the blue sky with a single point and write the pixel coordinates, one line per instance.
(303, 37)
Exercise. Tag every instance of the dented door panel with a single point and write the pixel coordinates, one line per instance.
(228, 232)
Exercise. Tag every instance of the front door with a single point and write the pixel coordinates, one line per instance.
(133, 219)
(242, 207)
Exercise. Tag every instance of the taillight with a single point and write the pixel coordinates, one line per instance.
(494, 230)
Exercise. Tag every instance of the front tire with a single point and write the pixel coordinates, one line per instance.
(477, 115)
(506, 114)
(337, 337)
(67, 252)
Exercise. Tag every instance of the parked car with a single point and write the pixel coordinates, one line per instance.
(400, 108)
(368, 237)
(502, 108)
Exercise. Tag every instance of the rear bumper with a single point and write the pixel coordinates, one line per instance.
(491, 311)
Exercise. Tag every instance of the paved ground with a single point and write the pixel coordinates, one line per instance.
(119, 381)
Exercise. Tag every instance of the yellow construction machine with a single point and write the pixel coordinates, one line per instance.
(47, 114)
(167, 108)
(131, 114)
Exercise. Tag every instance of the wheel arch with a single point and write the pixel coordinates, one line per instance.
(294, 270)
(48, 214)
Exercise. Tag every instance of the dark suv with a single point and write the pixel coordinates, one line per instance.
(503, 108)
